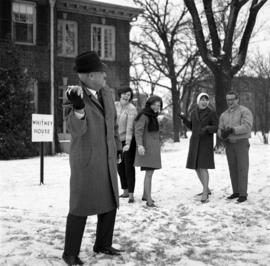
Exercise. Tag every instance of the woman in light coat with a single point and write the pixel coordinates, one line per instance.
(203, 123)
(126, 113)
(147, 137)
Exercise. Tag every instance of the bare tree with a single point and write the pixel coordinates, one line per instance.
(260, 64)
(166, 49)
(218, 55)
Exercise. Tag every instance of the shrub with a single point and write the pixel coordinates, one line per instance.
(166, 129)
(15, 108)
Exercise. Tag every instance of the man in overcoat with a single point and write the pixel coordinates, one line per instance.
(93, 152)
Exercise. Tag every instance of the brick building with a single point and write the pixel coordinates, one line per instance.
(50, 33)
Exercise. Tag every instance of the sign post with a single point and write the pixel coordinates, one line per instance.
(42, 131)
(41, 163)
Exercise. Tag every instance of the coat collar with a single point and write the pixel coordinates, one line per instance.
(205, 113)
(92, 97)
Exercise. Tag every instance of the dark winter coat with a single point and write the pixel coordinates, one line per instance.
(94, 144)
(201, 150)
(151, 142)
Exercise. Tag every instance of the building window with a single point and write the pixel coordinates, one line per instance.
(103, 41)
(67, 38)
(24, 22)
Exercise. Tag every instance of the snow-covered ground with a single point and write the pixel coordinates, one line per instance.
(181, 231)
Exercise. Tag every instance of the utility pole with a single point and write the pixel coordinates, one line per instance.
(52, 5)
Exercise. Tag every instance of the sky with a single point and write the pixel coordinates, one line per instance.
(262, 40)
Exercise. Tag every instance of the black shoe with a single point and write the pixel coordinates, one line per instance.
(233, 196)
(204, 198)
(123, 196)
(71, 260)
(144, 199)
(242, 199)
(131, 201)
(108, 251)
(151, 205)
(200, 194)
(117, 250)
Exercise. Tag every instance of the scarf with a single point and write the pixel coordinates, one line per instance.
(153, 124)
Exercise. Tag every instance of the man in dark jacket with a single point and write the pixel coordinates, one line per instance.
(93, 151)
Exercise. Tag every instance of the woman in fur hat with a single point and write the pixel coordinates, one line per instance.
(204, 123)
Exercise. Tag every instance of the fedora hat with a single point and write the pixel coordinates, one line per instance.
(88, 62)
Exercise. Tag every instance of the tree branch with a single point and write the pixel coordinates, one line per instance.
(254, 9)
(151, 82)
(235, 8)
(198, 32)
(212, 27)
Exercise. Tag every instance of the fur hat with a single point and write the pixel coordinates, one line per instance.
(88, 62)
(202, 94)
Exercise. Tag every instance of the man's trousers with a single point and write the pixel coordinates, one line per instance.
(238, 161)
(75, 228)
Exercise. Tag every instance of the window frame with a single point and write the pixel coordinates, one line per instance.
(103, 28)
(65, 22)
(33, 4)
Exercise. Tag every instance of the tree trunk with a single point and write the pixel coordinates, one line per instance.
(266, 115)
(175, 111)
(223, 83)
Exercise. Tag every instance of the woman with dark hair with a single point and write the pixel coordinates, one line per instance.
(203, 123)
(148, 144)
(126, 113)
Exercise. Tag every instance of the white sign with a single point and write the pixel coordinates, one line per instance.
(42, 128)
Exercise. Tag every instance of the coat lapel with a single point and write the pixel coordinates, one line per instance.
(93, 99)
(205, 114)
(105, 97)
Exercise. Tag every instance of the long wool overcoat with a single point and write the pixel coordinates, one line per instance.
(94, 144)
(201, 146)
(151, 143)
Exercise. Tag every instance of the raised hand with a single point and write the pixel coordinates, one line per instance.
(75, 96)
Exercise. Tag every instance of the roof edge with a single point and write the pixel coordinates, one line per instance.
(99, 9)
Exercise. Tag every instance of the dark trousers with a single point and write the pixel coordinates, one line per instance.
(238, 161)
(126, 169)
(75, 228)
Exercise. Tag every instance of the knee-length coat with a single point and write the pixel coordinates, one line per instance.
(201, 150)
(151, 143)
(94, 144)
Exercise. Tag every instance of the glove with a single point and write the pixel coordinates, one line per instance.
(76, 100)
(226, 132)
(203, 130)
(181, 116)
